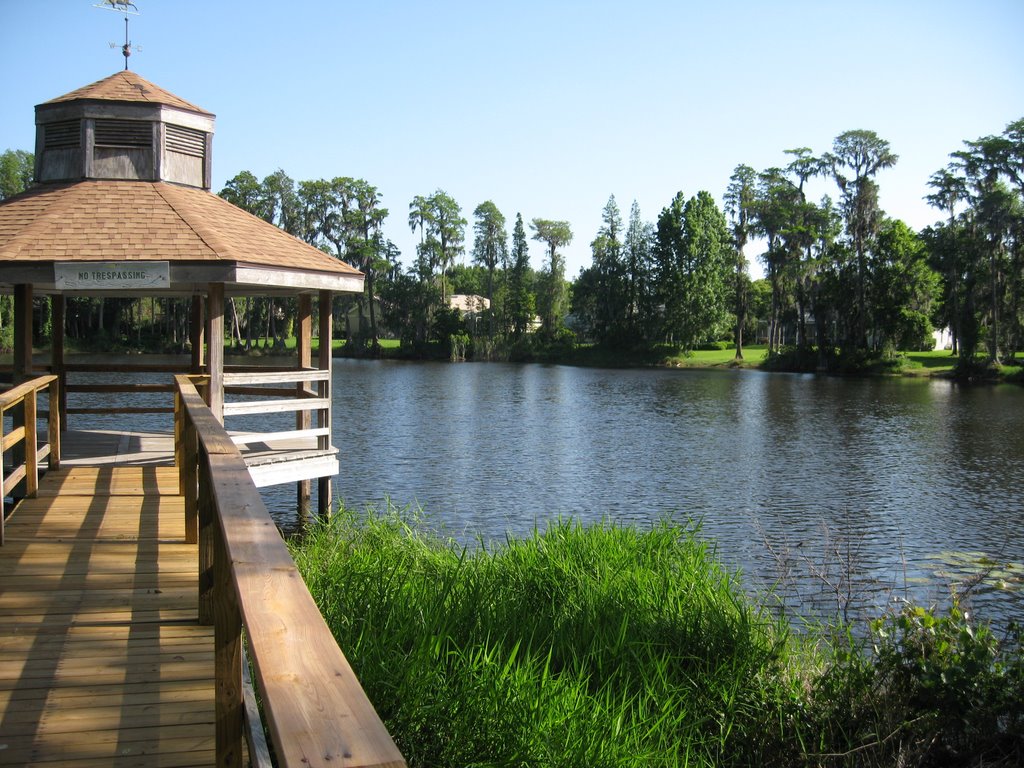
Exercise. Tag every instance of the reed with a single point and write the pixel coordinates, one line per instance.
(578, 646)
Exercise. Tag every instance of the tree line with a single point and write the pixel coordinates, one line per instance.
(842, 280)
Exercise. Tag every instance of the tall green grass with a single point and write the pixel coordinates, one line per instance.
(614, 646)
(597, 646)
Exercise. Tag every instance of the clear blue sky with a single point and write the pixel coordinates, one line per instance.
(546, 108)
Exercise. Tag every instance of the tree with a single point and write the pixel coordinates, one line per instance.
(609, 278)
(419, 212)
(281, 205)
(740, 202)
(245, 191)
(16, 170)
(365, 247)
(490, 247)
(774, 204)
(903, 289)
(641, 309)
(982, 249)
(950, 191)
(445, 233)
(694, 254)
(552, 298)
(856, 157)
(520, 295)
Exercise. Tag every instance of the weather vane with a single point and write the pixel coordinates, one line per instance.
(127, 9)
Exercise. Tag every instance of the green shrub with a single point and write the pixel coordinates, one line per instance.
(931, 691)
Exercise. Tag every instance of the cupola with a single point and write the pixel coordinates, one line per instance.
(125, 128)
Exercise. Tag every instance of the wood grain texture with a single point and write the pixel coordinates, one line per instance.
(102, 661)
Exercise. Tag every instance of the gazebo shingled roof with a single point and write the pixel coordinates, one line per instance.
(127, 86)
(127, 221)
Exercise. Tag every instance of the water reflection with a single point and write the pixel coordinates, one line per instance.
(879, 476)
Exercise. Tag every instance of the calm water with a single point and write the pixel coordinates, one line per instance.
(841, 488)
(834, 490)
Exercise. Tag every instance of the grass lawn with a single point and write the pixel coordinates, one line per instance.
(753, 355)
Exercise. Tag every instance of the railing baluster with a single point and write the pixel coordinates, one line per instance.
(207, 543)
(227, 630)
(31, 445)
(54, 423)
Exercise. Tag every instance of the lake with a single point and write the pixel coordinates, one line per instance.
(837, 490)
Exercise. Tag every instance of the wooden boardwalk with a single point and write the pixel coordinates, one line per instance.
(102, 661)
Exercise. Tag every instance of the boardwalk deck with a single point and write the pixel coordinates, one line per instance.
(102, 661)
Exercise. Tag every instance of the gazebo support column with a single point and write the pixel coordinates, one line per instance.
(215, 349)
(196, 333)
(58, 305)
(304, 348)
(325, 329)
(22, 333)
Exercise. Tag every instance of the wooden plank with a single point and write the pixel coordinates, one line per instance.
(12, 478)
(276, 406)
(122, 368)
(79, 748)
(293, 471)
(140, 693)
(119, 410)
(247, 438)
(101, 659)
(110, 480)
(126, 388)
(11, 437)
(276, 377)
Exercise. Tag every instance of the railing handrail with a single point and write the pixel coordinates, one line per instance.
(11, 397)
(316, 711)
(24, 436)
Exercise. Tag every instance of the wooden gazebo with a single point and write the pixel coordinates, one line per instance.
(121, 206)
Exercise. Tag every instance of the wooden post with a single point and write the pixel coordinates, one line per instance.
(191, 456)
(304, 348)
(22, 333)
(55, 422)
(196, 333)
(207, 544)
(229, 700)
(31, 444)
(215, 349)
(59, 303)
(3, 481)
(324, 361)
(22, 364)
(186, 457)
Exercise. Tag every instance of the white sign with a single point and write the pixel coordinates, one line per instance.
(111, 275)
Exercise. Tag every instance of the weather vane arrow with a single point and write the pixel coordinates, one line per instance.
(127, 9)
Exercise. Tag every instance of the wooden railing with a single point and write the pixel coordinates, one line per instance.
(315, 710)
(21, 441)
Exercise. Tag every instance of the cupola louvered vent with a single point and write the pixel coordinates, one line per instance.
(63, 135)
(187, 141)
(123, 133)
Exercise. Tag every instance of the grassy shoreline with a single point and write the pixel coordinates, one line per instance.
(614, 646)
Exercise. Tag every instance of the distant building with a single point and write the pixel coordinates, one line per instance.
(469, 303)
